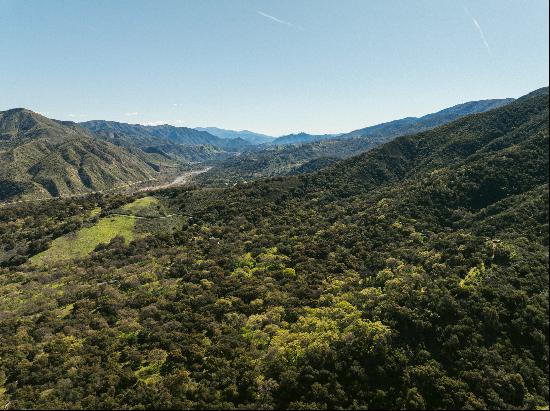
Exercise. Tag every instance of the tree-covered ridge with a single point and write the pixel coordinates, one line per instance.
(501, 132)
(308, 153)
(413, 125)
(412, 276)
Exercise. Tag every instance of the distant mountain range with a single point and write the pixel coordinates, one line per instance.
(299, 152)
(148, 135)
(407, 125)
(238, 140)
(258, 139)
(42, 157)
(302, 138)
(411, 125)
(250, 136)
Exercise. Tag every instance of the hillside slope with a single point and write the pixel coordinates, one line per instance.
(414, 276)
(40, 157)
(289, 159)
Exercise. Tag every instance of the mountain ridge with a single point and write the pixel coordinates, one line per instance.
(250, 136)
(275, 160)
(165, 133)
(412, 125)
(41, 157)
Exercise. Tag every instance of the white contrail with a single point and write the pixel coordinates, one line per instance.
(275, 19)
(480, 30)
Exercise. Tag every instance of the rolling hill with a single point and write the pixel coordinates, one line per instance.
(41, 157)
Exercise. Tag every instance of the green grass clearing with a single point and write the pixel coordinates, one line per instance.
(141, 204)
(85, 240)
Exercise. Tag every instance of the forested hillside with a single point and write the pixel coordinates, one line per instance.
(307, 153)
(41, 158)
(414, 276)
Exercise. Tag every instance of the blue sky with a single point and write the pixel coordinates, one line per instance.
(269, 66)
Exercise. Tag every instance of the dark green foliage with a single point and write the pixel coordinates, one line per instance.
(412, 276)
(314, 165)
(303, 148)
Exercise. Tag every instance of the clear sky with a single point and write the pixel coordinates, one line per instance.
(270, 66)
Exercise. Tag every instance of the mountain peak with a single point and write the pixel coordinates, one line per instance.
(15, 121)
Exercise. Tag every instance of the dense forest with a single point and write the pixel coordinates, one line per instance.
(414, 275)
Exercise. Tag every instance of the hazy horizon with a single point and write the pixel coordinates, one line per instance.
(270, 135)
